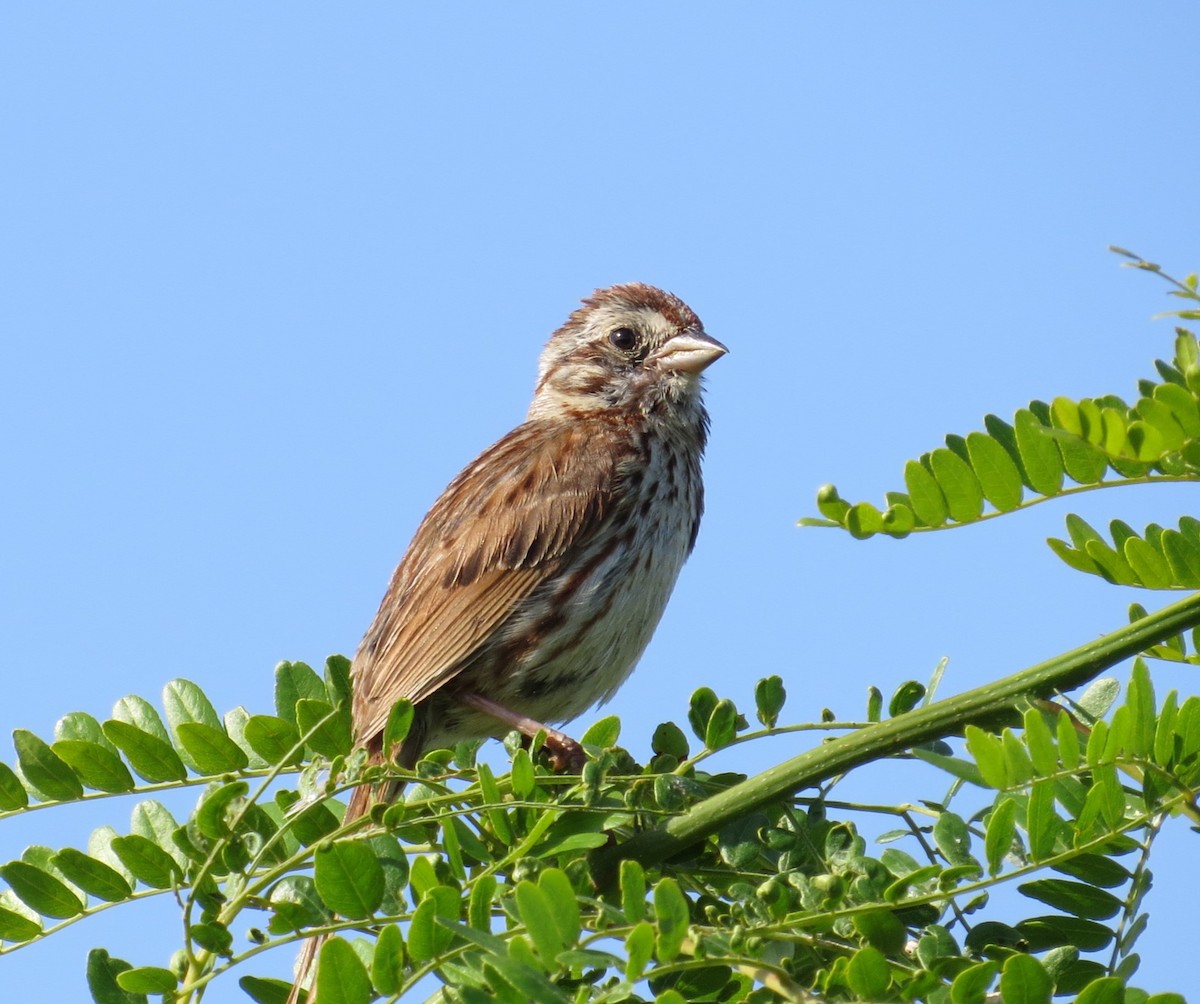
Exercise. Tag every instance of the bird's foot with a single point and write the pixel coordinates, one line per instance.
(566, 755)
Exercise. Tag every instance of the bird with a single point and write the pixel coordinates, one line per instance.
(535, 581)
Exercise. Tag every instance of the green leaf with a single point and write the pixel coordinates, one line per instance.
(1099, 696)
(639, 949)
(964, 497)
(1055, 931)
(140, 713)
(149, 863)
(496, 815)
(882, 930)
(1096, 869)
(868, 974)
(1164, 730)
(1001, 829)
(669, 740)
(970, 986)
(998, 476)
(1147, 563)
(874, 704)
(214, 812)
(152, 820)
(96, 765)
(1183, 407)
(79, 725)
(399, 724)
(562, 903)
(1183, 557)
(899, 520)
(907, 696)
(936, 943)
(1078, 560)
(276, 740)
(863, 520)
(16, 927)
(151, 758)
(12, 792)
(326, 730)
(479, 908)
(183, 702)
(769, 696)
(294, 681)
(1025, 981)
(1139, 698)
(536, 914)
(522, 775)
(722, 725)
(1073, 897)
(1017, 763)
(953, 838)
(953, 765)
(524, 977)
(44, 769)
(603, 733)
(102, 973)
(41, 891)
(337, 679)
(670, 918)
(235, 722)
(928, 502)
(349, 878)
(1041, 743)
(1041, 821)
(1083, 463)
(394, 862)
(426, 937)
(700, 709)
(1040, 458)
(265, 991)
(387, 964)
(92, 876)
(831, 505)
(147, 980)
(633, 891)
(212, 937)
(295, 904)
(988, 752)
(100, 847)
(1106, 990)
(341, 976)
(210, 750)
(739, 840)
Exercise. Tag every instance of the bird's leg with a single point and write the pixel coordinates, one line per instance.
(566, 755)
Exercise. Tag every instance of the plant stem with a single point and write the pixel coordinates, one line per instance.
(933, 721)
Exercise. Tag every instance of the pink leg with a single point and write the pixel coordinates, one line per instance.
(566, 755)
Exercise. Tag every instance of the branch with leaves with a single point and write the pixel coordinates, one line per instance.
(651, 875)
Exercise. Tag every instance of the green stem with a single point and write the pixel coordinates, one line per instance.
(933, 721)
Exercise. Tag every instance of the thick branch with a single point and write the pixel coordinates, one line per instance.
(942, 718)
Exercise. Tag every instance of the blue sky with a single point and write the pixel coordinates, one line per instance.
(274, 272)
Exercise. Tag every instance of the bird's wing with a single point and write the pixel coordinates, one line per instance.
(503, 526)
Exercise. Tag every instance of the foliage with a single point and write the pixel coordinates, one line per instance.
(649, 875)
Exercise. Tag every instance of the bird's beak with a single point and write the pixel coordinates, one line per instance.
(690, 351)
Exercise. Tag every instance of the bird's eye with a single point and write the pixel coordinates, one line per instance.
(623, 338)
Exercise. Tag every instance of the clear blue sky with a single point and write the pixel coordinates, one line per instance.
(272, 273)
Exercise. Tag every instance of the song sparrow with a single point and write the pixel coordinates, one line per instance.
(534, 583)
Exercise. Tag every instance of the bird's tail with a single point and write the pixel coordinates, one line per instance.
(305, 969)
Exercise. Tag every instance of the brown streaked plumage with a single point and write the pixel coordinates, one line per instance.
(535, 581)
